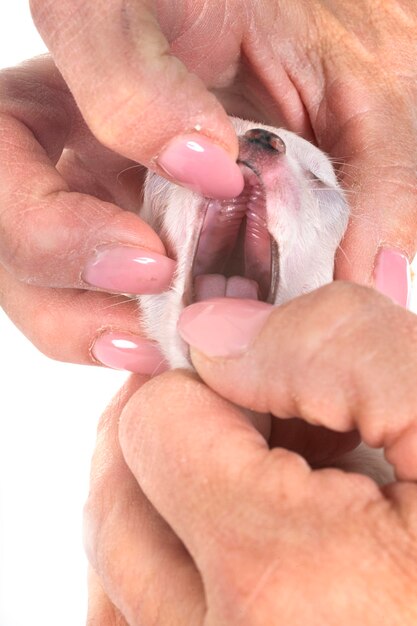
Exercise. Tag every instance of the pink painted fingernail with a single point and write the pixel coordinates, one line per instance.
(129, 352)
(393, 276)
(223, 327)
(129, 270)
(197, 163)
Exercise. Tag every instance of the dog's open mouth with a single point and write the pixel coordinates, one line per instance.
(235, 255)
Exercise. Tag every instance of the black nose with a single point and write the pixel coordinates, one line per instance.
(266, 140)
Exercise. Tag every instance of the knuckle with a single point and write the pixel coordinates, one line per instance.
(319, 408)
(40, 233)
(288, 473)
(351, 309)
(118, 124)
(111, 122)
(349, 296)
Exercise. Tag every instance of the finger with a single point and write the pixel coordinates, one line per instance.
(143, 567)
(101, 612)
(50, 234)
(342, 357)
(250, 517)
(138, 98)
(199, 460)
(78, 326)
(379, 172)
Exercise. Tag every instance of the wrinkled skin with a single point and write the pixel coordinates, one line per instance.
(327, 70)
(193, 519)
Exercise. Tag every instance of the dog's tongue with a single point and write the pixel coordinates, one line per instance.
(208, 286)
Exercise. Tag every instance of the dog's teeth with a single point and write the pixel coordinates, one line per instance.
(208, 286)
(241, 287)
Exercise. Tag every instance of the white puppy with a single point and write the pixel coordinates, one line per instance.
(274, 242)
(294, 214)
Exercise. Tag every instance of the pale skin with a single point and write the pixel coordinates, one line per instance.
(327, 70)
(193, 519)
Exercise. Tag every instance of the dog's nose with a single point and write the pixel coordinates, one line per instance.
(266, 140)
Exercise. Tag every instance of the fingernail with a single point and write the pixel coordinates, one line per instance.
(129, 352)
(223, 327)
(393, 276)
(129, 270)
(197, 163)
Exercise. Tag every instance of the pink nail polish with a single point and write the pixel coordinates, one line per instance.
(197, 163)
(129, 352)
(129, 270)
(393, 276)
(223, 327)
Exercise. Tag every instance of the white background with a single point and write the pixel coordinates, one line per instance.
(45, 445)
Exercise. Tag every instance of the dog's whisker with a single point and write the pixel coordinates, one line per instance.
(343, 252)
(121, 303)
(127, 169)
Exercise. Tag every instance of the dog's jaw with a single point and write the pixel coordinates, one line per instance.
(306, 215)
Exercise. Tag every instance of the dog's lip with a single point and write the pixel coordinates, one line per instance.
(244, 163)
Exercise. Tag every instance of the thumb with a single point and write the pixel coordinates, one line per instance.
(381, 181)
(341, 357)
(137, 98)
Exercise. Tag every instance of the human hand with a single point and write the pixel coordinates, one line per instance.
(214, 525)
(68, 229)
(141, 73)
(364, 118)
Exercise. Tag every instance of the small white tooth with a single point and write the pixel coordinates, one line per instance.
(241, 287)
(208, 286)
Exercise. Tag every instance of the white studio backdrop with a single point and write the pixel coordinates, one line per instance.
(48, 417)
